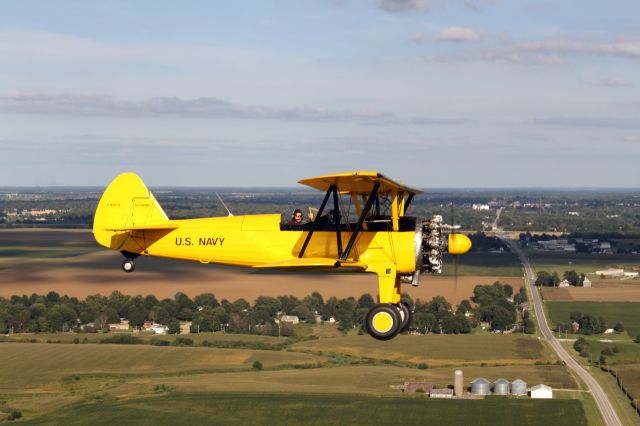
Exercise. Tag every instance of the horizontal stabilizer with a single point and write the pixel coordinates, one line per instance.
(165, 226)
(312, 263)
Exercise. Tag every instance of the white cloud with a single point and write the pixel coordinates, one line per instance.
(457, 34)
(600, 122)
(109, 106)
(404, 5)
(549, 52)
(396, 6)
(616, 82)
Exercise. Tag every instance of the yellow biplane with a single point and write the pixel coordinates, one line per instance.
(373, 234)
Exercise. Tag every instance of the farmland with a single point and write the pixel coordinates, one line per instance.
(436, 349)
(612, 312)
(601, 291)
(312, 409)
(57, 379)
(65, 382)
(70, 262)
(581, 263)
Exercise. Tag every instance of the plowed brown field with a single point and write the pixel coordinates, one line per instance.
(100, 273)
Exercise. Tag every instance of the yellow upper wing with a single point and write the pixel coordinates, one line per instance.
(359, 182)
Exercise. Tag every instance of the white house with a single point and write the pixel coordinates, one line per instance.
(293, 319)
(586, 282)
(541, 392)
(158, 329)
(564, 283)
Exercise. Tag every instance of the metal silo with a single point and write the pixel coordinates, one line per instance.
(457, 383)
(481, 386)
(518, 387)
(501, 387)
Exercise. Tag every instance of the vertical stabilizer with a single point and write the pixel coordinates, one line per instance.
(126, 203)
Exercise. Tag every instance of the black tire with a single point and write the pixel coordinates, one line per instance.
(383, 321)
(405, 316)
(128, 265)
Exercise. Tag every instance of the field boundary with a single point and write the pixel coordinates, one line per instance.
(614, 373)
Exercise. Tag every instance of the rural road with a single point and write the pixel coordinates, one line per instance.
(607, 411)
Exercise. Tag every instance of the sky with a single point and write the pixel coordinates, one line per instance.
(433, 93)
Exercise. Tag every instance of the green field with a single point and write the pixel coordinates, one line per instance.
(317, 410)
(628, 313)
(581, 263)
(625, 352)
(46, 363)
(483, 264)
(44, 378)
(436, 349)
(630, 377)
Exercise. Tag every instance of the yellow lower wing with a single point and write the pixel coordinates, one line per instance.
(312, 263)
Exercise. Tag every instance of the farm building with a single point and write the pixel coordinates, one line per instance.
(292, 319)
(501, 387)
(611, 272)
(412, 387)
(518, 387)
(159, 329)
(481, 386)
(441, 393)
(586, 282)
(541, 392)
(123, 325)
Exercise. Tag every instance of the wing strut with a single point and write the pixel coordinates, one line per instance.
(373, 196)
(336, 219)
(408, 202)
(315, 222)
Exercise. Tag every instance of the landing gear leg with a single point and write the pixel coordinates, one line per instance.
(384, 320)
(127, 264)
(405, 315)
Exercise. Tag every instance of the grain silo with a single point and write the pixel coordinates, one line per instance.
(518, 387)
(501, 387)
(481, 386)
(457, 383)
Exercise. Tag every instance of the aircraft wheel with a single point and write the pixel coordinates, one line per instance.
(405, 316)
(383, 321)
(128, 265)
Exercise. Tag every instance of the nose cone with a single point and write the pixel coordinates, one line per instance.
(459, 244)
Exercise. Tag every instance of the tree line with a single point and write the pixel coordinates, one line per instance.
(547, 279)
(55, 313)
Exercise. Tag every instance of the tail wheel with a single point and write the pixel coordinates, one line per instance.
(406, 316)
(383, 321)
(128, 265)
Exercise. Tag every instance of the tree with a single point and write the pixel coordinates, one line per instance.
(619, 327)
(207, 299)
(174, 327)
(456, 324)
(288, 303)
(529, 326)
(571, 276)
(136, 317)
(508, 290)
(424, 321)
(464, 306)
(366, 301)
(501, 318)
